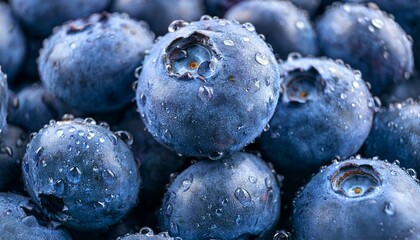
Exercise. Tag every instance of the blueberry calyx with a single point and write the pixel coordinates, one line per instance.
(355, 181)
(301, 86)
(192, 57)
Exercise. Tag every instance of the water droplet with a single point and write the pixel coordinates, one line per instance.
(412, 173)
(389, 208)
(73, 45)
(243, 197)
(146, 231)
(137, 73)
(169, 209)
(176, 25)
(245, 39)
(186, 183)
(252, 179)
(261, 58)
(125, 136)
(228, 42)
(59, 132)
(74, 175)
(6, 150)
(205, 93)
(343, 96)
(249, 26)
(205, 18)
(174, 227)
(216, 155)
(219, 212)
(293, 56)
(268, 183)
(300, 25)
(108, 176)
(378, 23)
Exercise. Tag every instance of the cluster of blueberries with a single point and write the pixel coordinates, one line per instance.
(209, 119)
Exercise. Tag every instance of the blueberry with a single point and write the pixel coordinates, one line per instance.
(358, 199)
(407, 14)
(157, 162)
(286, 27)
(12, 42)
(81, 174)
(147, 233)
(33, 107)
(12, 148)
(395, 134)
(17, 222)
(219, 7)
(311, 6)
(402, 91)
(325, 110)
(160, 13)
(40, 17)
(4, 100)
(369, 40)
(89, 63)
(237, 197)
(208, 87)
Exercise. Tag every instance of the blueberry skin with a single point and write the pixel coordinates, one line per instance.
(403, 91)
(219, 7)
(17, 223)
(237, 197)
(148, 234)
(286, 27)
(33, 107)
(344, 32)
(12, 149)
(12, 42)
(4, 100)
(40, 17)
(157, 162)
(81, 174)
(89, 63)
(407, 14)
(311, 6)
(358, 199)
(208, 88)
(160, 13)
(395, 134)
(325, 110)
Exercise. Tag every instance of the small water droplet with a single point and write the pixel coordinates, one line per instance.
(205, 18)
(228, 42)
(169, 209)
(412, 173)
(389, 208)
(219, 212)
(74, 175)
(205, 93)
(300, 25)
(125, 136)
(108, 176)
(378, 23)
(249, 26)
(186, 183)
(216, 155)
(252, 179)
(176, 25)
(137, 73)
(59, 132)
(243, 197)
(261, 58)
(343, 96)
